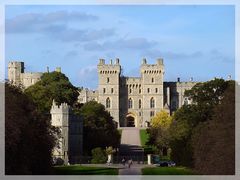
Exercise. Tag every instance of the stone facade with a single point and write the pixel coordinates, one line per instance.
(133, 101)
(70, 143)
(17, 76)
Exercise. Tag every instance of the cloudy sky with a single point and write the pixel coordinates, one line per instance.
(194, 41)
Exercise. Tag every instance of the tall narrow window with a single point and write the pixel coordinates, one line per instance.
(152, 113)
(104, 90)
(139, 91)
(112, 90)
(139, 104)
(130, 103)
(148, 90)
(152, 103)
(156, 90)
(108, 103)
(152, 80)
(108, 80)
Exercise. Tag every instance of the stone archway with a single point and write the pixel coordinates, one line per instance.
(130, 121)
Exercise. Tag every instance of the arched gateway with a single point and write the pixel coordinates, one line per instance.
(131, 120)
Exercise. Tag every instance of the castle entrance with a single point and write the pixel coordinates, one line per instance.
(130, 121)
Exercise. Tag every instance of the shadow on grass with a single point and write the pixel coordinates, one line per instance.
(83, 170)
(167, 171)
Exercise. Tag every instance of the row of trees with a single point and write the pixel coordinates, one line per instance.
(29, 134)
(200, 135)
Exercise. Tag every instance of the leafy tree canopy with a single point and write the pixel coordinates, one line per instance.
(54, 85)
(99, 128)
(162, 119)
(28, 135)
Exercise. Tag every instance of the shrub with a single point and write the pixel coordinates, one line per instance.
(98, 156)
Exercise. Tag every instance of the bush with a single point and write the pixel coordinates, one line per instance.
(98, 156)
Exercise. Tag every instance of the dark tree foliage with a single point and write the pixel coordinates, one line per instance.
(214, 141)
(54, 85)
(99, 128)
(29, 137)
(206, 96)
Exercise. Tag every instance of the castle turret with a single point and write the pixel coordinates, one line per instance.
(15, 69)
(109, 80)
(152, 88)
(60, 119)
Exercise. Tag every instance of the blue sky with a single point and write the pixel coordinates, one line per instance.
(194, 41)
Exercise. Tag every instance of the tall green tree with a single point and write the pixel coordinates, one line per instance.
(99, 128)
(29, 136)
(53, 85)
(214, 141)
(205, 96)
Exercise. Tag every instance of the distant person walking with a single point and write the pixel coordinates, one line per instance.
(130, 162)
(123, 161)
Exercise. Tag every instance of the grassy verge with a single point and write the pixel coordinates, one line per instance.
(84, 170)
(167, 171)
(143, 136)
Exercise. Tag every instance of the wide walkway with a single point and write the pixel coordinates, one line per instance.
(130, 136)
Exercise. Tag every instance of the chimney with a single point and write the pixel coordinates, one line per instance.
(159, 61)
(144, 61)
(178, 79)
(117, 61)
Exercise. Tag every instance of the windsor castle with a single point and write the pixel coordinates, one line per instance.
(131, 101)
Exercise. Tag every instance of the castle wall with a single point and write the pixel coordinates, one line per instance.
(70, 142)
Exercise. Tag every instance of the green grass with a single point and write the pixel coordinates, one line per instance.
(167, 171)
(84, 170)
(143, 136)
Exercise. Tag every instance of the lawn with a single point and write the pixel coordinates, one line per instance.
(84, 170)
(167, 171)
(143, 136)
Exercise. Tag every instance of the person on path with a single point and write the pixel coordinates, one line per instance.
(123, 161)
(130, 162)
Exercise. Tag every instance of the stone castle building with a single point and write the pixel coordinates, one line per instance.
(70, 141)
(133, 101)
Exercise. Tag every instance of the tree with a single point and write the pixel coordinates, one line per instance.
(29, 136)
(162, 119)
(99, 128)
(99, 156)
(186, 120)
(54, 85)
(214, 141)
(158, 131)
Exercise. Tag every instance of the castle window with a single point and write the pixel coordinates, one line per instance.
(139, 91)
(156, 90)
(152, 113)
(108, 80)
(130, 91)
(130, 103)
(104, 90)
(148, 90)
(139, 104)
(152, 103)
(108, 103)
(112, 90)
(152, 80)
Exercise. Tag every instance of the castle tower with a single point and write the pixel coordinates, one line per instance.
(108, 88)
(60, 118)
(15, 69)
(152, 88)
